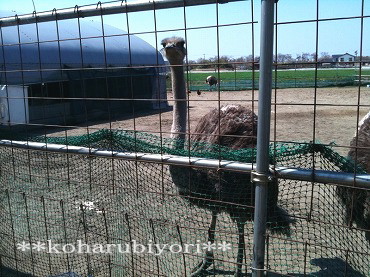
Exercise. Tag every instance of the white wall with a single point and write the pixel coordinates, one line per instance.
(13, 105)
(346, 58)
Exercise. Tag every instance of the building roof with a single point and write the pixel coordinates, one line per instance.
(340, 55)
(50, 50)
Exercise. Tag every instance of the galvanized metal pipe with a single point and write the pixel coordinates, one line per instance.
(263, 137)
(103, 9)
(324, 176)
(136, 156)
(320, 176)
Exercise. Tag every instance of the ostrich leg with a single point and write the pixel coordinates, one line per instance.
(241, 245)
(208, 257)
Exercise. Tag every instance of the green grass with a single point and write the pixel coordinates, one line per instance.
(283, 74)
(283, 78)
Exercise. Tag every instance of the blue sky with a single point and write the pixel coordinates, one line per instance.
(334, 37)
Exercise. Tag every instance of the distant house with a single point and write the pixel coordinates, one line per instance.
(343, 59)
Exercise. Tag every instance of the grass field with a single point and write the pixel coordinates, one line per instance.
(236, 80)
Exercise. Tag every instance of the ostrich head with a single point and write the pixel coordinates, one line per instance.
(174, 50)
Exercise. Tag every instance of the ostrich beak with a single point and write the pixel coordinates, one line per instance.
(169, 46)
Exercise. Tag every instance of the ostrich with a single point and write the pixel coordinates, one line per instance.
(357, 201)
(233, 126)
(363, 140)
(211, 80)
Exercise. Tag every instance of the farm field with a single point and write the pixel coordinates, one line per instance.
(235, 80)
(284, 74)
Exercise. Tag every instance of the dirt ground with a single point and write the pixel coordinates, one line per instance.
(295, 118)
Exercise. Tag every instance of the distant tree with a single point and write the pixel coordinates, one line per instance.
(324, 56)
(306, 57)
(202, 63)
(289, 58)
(252, 58)
(313, 56)
(283, 58)
(363, 59)
(225, 62)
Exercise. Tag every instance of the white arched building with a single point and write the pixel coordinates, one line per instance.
(72, 71)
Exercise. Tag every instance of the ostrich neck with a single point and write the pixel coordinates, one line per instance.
(178, 129)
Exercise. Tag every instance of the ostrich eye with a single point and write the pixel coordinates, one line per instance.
(181, 44)
(164, 45)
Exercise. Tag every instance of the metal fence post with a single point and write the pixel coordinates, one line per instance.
(263, 135)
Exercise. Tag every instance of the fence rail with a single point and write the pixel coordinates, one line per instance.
(101, 9)
(320, 176)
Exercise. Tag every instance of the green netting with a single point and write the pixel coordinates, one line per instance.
(120, 140)
(65, 198)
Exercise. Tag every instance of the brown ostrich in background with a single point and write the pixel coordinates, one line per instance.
(211, 81)
(357, 201)
(234, 126)
(362, 141)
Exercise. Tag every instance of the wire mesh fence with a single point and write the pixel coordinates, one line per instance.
(59, 199)
(96, 182)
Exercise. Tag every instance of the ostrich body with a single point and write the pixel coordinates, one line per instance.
(357, 201)
(211, 80)
(218, 191)
(362, 139)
